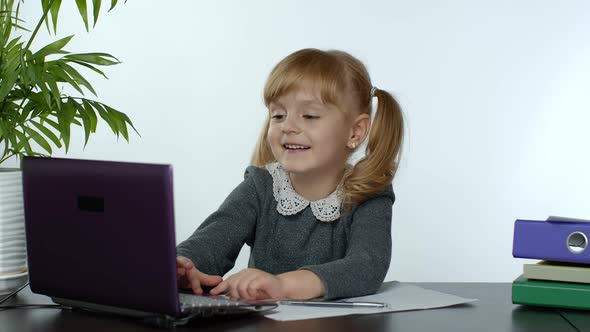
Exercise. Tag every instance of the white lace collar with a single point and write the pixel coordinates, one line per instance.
(289, 202)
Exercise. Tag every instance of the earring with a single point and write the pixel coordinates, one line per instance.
(352, 145)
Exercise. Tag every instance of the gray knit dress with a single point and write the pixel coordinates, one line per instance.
(351, 254)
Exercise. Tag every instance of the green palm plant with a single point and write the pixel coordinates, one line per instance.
(34, 108)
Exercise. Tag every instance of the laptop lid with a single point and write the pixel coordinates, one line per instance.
(101, 232)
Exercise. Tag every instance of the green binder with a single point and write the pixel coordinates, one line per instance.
(550, 293)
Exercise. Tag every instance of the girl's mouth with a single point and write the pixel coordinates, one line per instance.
(295, 147)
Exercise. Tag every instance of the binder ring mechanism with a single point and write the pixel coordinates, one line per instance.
(577, 242)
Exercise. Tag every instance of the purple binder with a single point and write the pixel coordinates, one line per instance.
(554, 241)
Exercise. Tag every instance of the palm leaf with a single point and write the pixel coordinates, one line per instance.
(91, 114)
(53, 48)
(55, 93)
(61, 76)
(96, 8)
(54, 11)
(12, 43)
(11, 59)
(83, 9)
(116, 116)
(64, 120)
(106, 116)
(113, 4)
(91, 67)
(94, 58)
(23, 142)
(38, 138)
(46, 93)
(46, 6)
(86, 121)
(48, 133)
(76, 76)
(27, 109)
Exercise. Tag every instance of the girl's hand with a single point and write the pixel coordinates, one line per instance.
(251, 284)
(189, 276)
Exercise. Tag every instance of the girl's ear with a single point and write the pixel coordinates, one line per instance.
(359, 130)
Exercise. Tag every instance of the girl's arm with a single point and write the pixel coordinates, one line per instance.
(254, 284)
(216, 243)
(363, 268)
(302, 285)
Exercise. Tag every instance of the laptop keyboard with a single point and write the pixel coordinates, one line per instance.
(191, 301)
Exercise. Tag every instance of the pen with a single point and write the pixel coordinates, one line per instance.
(342, 304)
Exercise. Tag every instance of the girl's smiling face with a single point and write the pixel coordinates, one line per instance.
(307, 136)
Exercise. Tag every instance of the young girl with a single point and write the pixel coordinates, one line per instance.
(317, 227)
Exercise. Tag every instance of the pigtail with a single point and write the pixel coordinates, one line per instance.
(262, 153)
(375, 171)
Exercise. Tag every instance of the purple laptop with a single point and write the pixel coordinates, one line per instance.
(100, 235)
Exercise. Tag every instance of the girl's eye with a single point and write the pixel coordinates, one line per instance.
(277, 117)
(307, 116)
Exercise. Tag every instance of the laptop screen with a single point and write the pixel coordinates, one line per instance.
(101, 232)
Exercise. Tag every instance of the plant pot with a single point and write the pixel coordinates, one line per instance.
(13, 262)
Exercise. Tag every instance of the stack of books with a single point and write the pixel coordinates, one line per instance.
(562, 278)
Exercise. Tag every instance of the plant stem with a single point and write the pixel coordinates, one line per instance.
(45, 12)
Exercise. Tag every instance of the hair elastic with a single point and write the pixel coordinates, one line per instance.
(373, 89)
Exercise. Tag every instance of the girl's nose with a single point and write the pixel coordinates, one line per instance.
(290, 125)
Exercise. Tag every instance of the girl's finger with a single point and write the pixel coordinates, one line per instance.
(252, 291)
(220, 288)
(184, 262)
(192, 276)
(242, 290)
(209, 280)
(246, 284)
(233, 282)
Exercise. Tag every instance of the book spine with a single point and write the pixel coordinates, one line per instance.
(561, 242)
(546, 295)
(557, 273)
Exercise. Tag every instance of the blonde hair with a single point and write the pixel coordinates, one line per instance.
(333, 74)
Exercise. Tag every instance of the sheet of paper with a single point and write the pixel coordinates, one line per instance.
(399, 297)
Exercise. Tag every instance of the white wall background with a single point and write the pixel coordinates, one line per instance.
(495, 93)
